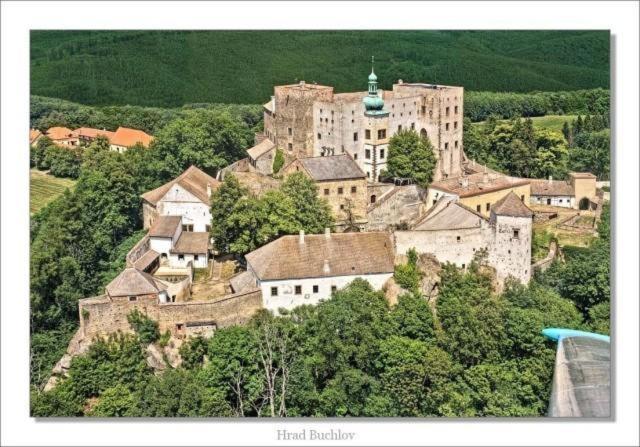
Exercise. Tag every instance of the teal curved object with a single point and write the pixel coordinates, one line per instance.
(557, 334)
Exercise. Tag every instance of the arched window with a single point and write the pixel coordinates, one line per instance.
(584, 203)
(423, 133)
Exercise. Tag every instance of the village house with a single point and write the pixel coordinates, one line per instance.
(578, 192)
(124, 138)
(86, 135)
(308, 120)
(188, 196)
(340, 181)
(262, 155)
(120, 140)
(456, 233)
(62, 136)
(304, 269)
(34, 136)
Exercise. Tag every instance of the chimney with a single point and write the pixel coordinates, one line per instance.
(302, 83)
(209, 190)
(464, 181)
(325, 267)
(550, 180)
(301, 237)
(327, 233)
(400, 81)
(273, 104)
(485, 176)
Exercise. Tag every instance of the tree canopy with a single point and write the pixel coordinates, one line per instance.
(411, 157)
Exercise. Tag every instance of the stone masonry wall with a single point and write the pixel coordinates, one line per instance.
(102, 315)
(403, 204)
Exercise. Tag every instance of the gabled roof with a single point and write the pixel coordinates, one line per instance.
(134, 282)
(165, 226)
(59, 133)
(474, 184)
(337, 254)
(90, 132)
(193, 180)
(192, 243)
(449, 214)
(551, 188)
(34, 134)
(260, 149)
(335, 167)
(130, 137)
(511, 205)
(146, 259)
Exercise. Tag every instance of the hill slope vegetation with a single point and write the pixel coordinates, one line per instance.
(172, 68)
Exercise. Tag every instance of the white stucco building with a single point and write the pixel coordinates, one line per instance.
(187, 196)
(296, 270)
(455, 233)
(175, 247)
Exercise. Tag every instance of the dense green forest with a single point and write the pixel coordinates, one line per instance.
(170, 69)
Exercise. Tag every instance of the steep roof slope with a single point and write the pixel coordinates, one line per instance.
(193, 180)
(511, 205)
(335, 167)
(126, 137)
(134, 282)
(448, 214)
(260, 149)
(321, 255)
(59, 133)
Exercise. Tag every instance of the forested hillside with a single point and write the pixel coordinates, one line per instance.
(159, 68)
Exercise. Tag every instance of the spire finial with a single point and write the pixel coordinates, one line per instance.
(371, 64)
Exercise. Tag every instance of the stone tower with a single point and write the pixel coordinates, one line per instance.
(510, 248)
(376, 139)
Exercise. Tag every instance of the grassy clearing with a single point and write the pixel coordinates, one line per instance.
(44, 188)
(549, 122)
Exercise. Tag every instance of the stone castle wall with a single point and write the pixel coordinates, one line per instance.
(401, 205)
(103, 315)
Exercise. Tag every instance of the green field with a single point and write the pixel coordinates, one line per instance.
(550, 122)
(44, 188)
(172, 68)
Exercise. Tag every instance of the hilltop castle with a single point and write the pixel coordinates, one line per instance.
(310, 120)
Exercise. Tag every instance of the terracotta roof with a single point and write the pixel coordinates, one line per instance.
(165, 226)
(449, 214)
(551, 188)
(511, 205)
(335, 167)
(582, 175)
(192, 243)
(134, 282)
(193, 180)
(129, 137)
(476, 185)
(34, 134)
(146, 259)
(90, 132)
(260, 149)
(338, 254)
(59, 133)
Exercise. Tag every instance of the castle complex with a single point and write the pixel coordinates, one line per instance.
(309, 120)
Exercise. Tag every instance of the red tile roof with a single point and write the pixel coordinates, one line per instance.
(89, 132)
(511, 205)
(59, 133)
(33, 135)
(129, 137)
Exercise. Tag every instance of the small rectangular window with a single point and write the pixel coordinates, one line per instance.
(319, 136)
(207, 228)
(298, 290)
(340, 190)
(382, 134)
(522, 199)
(455, 143)
(367, 134)
(274, 291)
(488, 206)
(455, 110)
(455, 124)
(381, 153)
(290, 131)
(424, 109)
(290, 146)
(180, 257)
(133, 298)
(315, 289)
(326, 191)
(353, 190)
(342, 206)
(457, 238)
(355, 136)
(446, 126)
(355, 156)
(333, 289)
(446, 146)
(413, 126)
(179, 326)
(367, 154)
(446, 113)
(399, 127)
(196, 257)
(434, 201)
(516, 233)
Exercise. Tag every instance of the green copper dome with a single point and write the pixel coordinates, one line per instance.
(372, 76)
(373, 102)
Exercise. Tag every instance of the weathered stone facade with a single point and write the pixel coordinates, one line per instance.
(396, 207)
(103, 315)
(310, 120)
